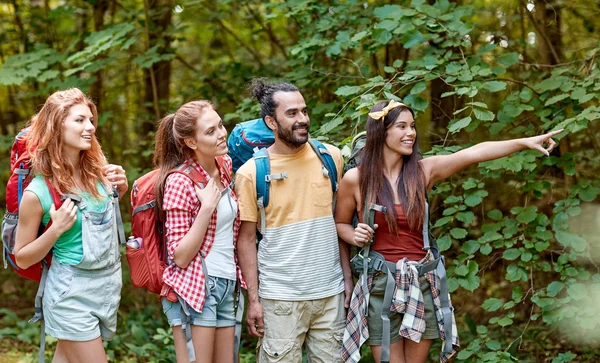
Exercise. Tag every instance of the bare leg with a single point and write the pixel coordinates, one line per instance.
(83, 352)
(59, 354)
(396, 352)
(416, 352)
(203, 339)
(224, 350)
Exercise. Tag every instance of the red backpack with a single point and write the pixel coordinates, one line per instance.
(146, 249)
(20, 169)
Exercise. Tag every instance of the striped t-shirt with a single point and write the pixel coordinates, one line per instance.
(298, 257)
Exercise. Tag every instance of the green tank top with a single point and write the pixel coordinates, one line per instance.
(68, 249)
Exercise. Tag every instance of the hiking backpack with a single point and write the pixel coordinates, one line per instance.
(250, 139)
(247, 138)
(20, 177)
(148, 261)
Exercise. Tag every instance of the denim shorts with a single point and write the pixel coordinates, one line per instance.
(218, 310)
(81, 305)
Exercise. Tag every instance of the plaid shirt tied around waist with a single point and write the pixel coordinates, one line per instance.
(181, 205)
(407, 300)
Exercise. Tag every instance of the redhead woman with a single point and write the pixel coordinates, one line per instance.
(202, 223)
(394, 177)
(83, 287)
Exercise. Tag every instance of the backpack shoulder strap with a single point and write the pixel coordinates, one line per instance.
(327, 161)
(261, 159)
(190, 172)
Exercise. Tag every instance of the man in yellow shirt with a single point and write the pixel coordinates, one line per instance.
(296, 283)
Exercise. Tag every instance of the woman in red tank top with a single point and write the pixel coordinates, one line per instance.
(394, 174)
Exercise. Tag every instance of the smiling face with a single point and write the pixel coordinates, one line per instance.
(78, 128)
(210, 139)
(401, 135)
(291, 118)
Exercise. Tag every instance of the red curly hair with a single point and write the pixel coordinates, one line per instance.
(45, 145)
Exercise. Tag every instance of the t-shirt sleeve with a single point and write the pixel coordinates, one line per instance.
(245, 189)
(40, 189)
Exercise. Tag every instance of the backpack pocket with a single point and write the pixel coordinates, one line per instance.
(9, 231)
(145, 272)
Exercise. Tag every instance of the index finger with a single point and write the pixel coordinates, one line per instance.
(555, 132)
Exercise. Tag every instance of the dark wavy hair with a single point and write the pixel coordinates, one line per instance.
(411, 183)
(263, 92)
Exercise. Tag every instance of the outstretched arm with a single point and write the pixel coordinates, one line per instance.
(440, 167)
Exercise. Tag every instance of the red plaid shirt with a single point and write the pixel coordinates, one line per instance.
(182, 205)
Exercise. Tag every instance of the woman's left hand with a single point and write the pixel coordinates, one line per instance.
(538, 142)
(116, 176)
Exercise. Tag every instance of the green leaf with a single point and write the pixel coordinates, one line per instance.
(471, 282)
(526, 94)
(511, 254)
(465, 217)
(412, 38)
(495, 214)
(388, 69)
(526, 256)
(564, 357)
(442, 221)
(458, 233)
(470, 247)
(580, 95)
(554, 288)
(358, 36)
(482, 329)
(485, 250)
(493, 345)
(567, 238)
(418, 88)
(382, 36)
(557, 98)
(492, 304)
(509, 59)
(527, 215)
(347, 90)
(457, 125)
(462, 270)
(494, 86)
(483, 115)
(505, 321)
(444, 243)
(464, 354)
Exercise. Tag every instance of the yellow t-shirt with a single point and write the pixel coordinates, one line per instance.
(298, 257)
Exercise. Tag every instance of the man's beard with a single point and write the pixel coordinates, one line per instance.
(287, 136)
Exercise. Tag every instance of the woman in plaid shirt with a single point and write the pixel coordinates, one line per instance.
(395, 175)
(202, 223)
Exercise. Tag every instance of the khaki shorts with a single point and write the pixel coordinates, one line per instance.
(376, 324)
(317, 324)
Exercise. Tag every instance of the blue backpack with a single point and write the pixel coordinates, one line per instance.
(250, 139)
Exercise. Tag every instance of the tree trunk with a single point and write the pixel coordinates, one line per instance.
(158, 76)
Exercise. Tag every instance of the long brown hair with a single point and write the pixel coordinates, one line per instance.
(411, 183)
(46, 149)
(170, 149)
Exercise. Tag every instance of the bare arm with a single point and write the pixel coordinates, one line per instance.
(29, 248)
(440, 167)
(246, 247)
(190, 244)
(346, 207)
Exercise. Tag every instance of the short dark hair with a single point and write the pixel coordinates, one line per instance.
(263, 91)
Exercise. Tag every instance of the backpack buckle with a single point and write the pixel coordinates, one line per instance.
(277, 176)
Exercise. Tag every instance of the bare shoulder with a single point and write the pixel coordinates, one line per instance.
(351, 178)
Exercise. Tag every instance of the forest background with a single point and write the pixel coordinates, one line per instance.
(520, 233)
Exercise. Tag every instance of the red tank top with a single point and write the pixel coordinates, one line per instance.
(394, 247)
